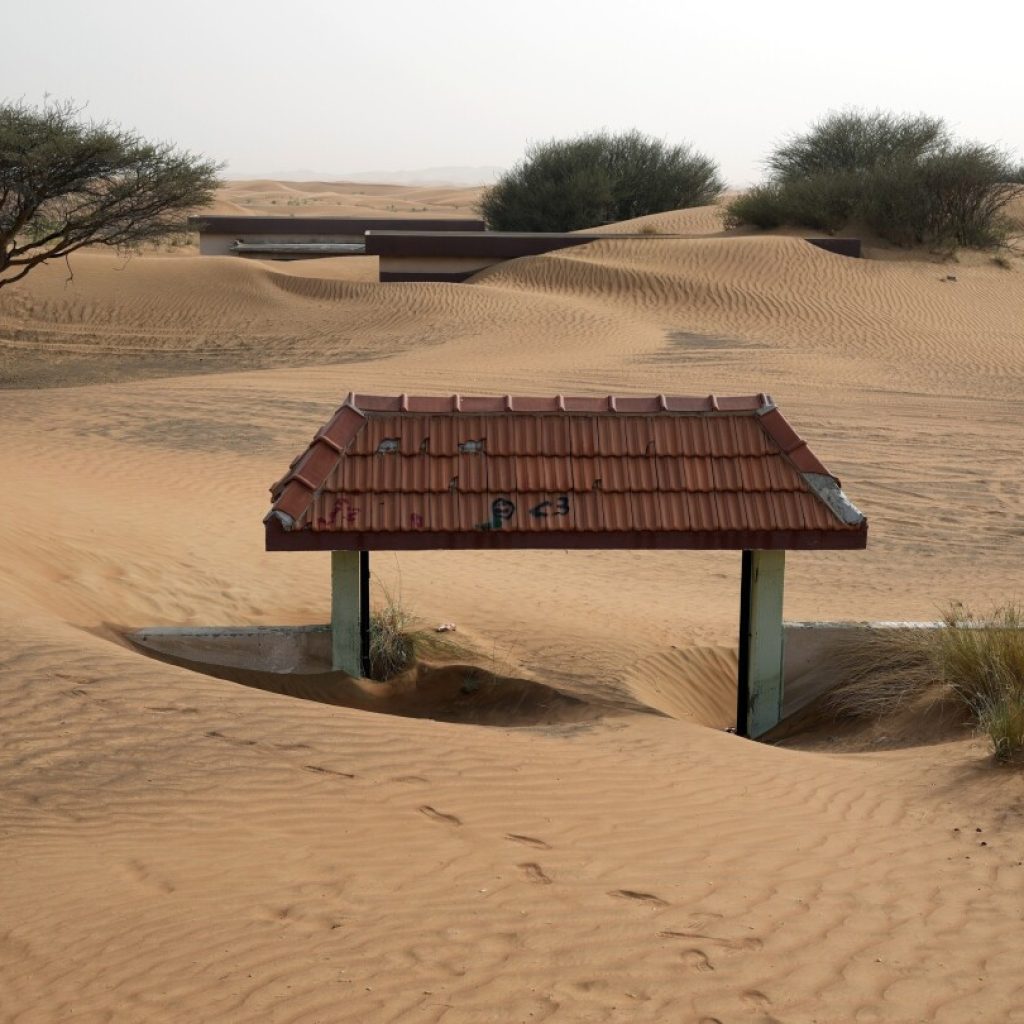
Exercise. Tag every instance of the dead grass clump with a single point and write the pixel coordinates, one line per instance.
(392, 640)
(883, 670)
(974, 660)
(396, 642)
(982, 659)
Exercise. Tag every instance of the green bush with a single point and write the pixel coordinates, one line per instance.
(598, 178)
(905, 178)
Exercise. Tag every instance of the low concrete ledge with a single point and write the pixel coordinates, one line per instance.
(277, 649)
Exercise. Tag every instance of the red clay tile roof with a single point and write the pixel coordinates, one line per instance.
(406, 472)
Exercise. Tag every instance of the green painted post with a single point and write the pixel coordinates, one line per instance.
(346, 612)
(764, 636)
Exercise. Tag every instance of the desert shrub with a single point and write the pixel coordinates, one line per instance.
(977, 661)
(851, 141)
(904, 177)
(392, 641)
(982, 659)
(598, 178)
(882, 671)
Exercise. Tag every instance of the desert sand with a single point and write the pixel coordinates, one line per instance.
(178, 847)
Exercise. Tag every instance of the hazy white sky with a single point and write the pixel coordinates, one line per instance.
(339, 86)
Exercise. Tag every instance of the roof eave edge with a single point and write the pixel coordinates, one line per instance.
(828, 490)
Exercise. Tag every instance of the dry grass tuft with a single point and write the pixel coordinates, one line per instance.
(396, 642)
(883, 670)
(983, 661)
(975, 660)
(392, 640)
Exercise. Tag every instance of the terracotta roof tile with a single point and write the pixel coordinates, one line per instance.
(459, 470)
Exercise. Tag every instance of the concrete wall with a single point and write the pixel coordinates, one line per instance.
(808, 664)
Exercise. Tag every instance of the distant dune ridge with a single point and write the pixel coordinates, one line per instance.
(179, 847)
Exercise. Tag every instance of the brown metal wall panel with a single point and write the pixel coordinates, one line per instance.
(228, 224)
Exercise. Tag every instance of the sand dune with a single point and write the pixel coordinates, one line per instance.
(180, 847)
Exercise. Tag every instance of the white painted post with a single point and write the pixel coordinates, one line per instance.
(764, 656)
(346, 612)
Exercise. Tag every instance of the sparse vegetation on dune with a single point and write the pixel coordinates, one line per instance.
(906, 178)
(599, 178)
(974, 661)
(392, 639)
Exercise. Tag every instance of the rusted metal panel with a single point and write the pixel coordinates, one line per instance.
(404, 471)
(251, 227)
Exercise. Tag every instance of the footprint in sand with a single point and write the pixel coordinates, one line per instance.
(640, 897)
(213, 734)
(747, 945)
(527, 841)
(698, 960)
(436, 815)
(327, 771)
(534, 873)
(756, 1000)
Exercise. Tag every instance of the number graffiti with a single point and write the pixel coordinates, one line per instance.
(503, 510)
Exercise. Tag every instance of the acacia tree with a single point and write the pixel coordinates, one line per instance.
(66, 183)
(598, 178)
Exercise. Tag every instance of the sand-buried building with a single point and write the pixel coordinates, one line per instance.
(566, 472)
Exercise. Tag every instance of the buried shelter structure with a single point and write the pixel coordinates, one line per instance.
(403, 472)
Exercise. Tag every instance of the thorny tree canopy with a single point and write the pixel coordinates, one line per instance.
(65, 183)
